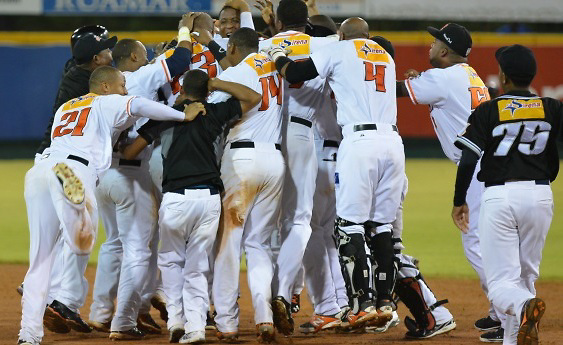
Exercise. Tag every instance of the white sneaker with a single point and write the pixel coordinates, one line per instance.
(195, 337)
(394, 322)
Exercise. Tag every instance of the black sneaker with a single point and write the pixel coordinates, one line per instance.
(295, 303)
(532, 313)
(132, 334)
(54, 322)
(487, 324)
(282, 315)
(210, 322)
(496, 336)
(72, 319)
(442, 328)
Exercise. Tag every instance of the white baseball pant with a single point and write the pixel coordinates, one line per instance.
(48, 211)
(253, 180)
(188, 228)
(513, 225)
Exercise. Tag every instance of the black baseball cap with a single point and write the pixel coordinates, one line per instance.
(89, 45)
(385, 44)
(94, 29)
(454, 36)
(518, 63)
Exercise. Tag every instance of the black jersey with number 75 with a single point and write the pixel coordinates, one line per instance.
(515, 136)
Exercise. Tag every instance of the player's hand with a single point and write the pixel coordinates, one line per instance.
(275, 52)
(160, 48)
(411, 73)
(240, 5)
(202, 36)
(212, 84)
(193, 110)
(266, 8)
(460, 215)
(188, 20)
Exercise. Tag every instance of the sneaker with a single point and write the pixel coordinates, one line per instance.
(394, 322)
(25, 342)
(146, 324)
(496, 336)
(104, 327)
(73, 188)
(532, 313)
(360, 318)
(19, 289)
(442, 328)
(159, 303)
(72, 319)
(210, 324)
(295, 303)
(54, 322)
(195, 337)
(307, 328)
(176, 332)
(132, 334)
(324, 322)
(487, 324)
(228, 337)
(282, 315)
(265, 332)
(384, 315)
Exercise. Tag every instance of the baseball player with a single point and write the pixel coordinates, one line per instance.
(98, 30)
(370, 166)
(234, 14)
(453, 89)
(59, 188)
(252, 170)
(514, 135)
(189, 214)
(125, 197)
(302, 99)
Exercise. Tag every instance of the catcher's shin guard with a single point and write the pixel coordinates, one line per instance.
(410, 291)
(381, 246)
(355, 267)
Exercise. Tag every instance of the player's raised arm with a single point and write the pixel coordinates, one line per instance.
(204, 37)
(293, 71)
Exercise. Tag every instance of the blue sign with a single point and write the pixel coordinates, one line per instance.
(124, 7)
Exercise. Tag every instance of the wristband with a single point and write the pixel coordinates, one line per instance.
(184, 34)
(218, 52)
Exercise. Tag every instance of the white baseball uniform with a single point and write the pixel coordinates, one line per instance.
(453, 93)
(301, 101)
(252, 170)
(84, 130)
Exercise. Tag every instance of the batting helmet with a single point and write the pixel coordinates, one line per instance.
(94, 29)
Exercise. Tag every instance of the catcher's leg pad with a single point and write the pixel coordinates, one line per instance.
(381, 246)
(355, 267)
(410, 292)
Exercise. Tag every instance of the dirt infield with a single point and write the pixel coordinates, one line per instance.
(467, 303)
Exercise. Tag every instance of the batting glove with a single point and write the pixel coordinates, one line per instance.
(275, 52)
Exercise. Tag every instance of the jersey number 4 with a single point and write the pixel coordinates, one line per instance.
(377, 73)
(70, 118)
(270, 89)
(532, 141)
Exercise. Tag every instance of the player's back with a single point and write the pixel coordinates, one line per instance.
(362, 75)
(301, 99)
(88, 126)
(452, 93)
(262, 123)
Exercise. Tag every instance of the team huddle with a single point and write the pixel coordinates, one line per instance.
(282, 147)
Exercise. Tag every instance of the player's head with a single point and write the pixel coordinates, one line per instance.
(129, 55)
(352, 28)
(385, 44)
(93, 51)
(517, 66)
(93, 29)
(321, 26)
(229, 21)
(291, 14)
(452, 44)
(107, 80)
(194, 86)
(242, 42)
(203, 22)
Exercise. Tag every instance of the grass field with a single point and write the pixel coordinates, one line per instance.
(429, 232)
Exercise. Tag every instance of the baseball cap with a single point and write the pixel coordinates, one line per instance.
(81, 31)
(454, 36)
(89, 45)
(517, 62)
(385, 44)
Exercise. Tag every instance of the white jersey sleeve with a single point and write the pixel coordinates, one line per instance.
(428, 87)
(146, 81)
(325, 60)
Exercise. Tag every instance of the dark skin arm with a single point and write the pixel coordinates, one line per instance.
(247, 97)
(402, 87)
(205, 37)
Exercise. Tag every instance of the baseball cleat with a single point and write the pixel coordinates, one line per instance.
(282, 315)
(295, 303)
(442, 328)
(176, 332)
(72, 319)
(54, 322)
(359, 319)
(195, 337)
(496, 336)
(228, 337)
(104, 327)
(265, 332)
(132, 334)
(73, 188)
(25, 342)
(210, 322)
(159, 303)
(487, 324)
(320, 323)
(384, 315)
(147, 324)
(532, 313)
(394, 322)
